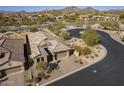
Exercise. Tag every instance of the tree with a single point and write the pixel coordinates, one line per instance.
(28, 45)
(64, 35)
(90, 37)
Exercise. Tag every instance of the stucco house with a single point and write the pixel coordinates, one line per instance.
(12, 62)
(46, 48)
(44, 45)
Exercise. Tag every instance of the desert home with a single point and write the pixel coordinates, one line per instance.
(46, 48)
(12, 61)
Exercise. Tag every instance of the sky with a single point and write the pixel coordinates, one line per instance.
(40, 8)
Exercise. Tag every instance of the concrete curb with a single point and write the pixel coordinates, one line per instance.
(75, 70)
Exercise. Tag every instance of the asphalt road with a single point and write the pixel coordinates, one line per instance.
(109, 71)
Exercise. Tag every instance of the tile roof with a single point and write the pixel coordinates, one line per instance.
(16, 48)
(56, 45)
(41, 39)
(1, 41)
(3, 50)
(35, 40)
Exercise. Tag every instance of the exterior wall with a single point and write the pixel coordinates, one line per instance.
(44, 57)
(34, 71)
(63, 54)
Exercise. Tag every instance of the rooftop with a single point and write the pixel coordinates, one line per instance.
(15, 47)
(35, 39)
(44, 38)
(55, 44)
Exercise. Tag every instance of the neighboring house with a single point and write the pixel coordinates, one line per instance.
(85, 17)
(96, 26)
(12, 62)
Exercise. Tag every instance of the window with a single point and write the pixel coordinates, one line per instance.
(2, 73)
(38, 59)
(55, 56)
(42, 59)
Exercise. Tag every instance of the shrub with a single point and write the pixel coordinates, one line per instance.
(31, 62)
(77, 48)
(41, 66)
(86, 51)
(64, 35)
(90, 37)
(56, 28)
(33, 29)
(82, 51)
(110, 25)
(37, 79)
(122, 39)
(121, 16)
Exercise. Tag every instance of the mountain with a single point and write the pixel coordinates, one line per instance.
(71, 9)
(76, 9)
(117, 11)
(89, 9)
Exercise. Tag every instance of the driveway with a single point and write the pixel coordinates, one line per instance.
(108, 72)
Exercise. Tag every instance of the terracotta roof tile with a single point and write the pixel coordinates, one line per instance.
(16, 47)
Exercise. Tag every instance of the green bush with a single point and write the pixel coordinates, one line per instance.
(121, 16)
(90, 37)
(64, 35)
(86, 51)
(56, 28)
(122, 39)
(77, 48)
(82, 51)
(33, 29)
(110, 25)
(41, 66)
(31, 62)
